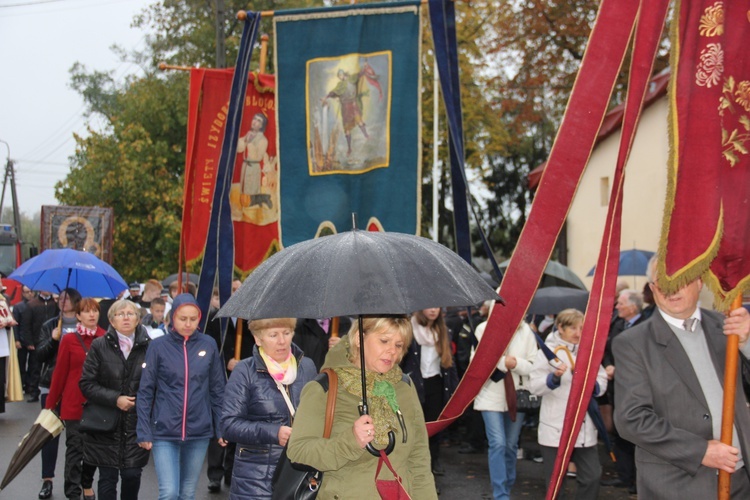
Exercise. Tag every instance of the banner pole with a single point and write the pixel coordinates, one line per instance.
(263, 54)
(727, 414)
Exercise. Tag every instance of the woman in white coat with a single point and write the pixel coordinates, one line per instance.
(553, 384)
(502, 431)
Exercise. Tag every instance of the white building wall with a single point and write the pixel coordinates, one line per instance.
(643, 195)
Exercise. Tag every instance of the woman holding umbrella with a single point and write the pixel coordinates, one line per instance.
(64, 391)
(111, 376)
(349, 470)
(553, 381)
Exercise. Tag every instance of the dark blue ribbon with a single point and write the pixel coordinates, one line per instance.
(443, 21)
(218, 256)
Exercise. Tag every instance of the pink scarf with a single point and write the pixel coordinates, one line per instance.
(85, 332)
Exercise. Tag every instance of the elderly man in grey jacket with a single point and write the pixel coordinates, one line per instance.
(668, 397)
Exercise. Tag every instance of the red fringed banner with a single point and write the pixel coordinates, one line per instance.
(254, 194)
(706, 230)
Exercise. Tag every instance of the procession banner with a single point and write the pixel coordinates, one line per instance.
(349, 118)
(254, 206)
(706, 228)
(80, 228)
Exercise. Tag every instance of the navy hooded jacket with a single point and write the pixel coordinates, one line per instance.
(182, 385)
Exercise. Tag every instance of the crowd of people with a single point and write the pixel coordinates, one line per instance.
(136, 378)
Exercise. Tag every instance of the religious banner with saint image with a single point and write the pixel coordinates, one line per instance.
(349, 118)
(253, 196)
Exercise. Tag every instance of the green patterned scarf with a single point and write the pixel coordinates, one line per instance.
(381, 397)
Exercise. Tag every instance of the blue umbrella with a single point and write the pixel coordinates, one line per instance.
(54, 270)
(632, 263)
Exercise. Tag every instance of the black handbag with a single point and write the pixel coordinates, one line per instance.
(525, 401)
(98, 418)
(292, 481)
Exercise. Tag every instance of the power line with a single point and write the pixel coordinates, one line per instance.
(25, 4)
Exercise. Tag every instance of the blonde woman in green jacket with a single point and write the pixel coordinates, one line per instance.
(349, 470)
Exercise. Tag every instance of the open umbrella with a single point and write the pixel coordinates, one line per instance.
(553, 299)
(633, 262)
(56, 269)
(555, 274)
(46, 427)
(186, 277)
(354, 274)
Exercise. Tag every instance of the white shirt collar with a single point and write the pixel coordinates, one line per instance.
(679, 323)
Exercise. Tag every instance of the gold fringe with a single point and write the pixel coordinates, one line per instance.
(256, 83)
(699, 266)
(345, 13)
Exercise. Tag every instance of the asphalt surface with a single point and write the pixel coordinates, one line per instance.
(466, 475)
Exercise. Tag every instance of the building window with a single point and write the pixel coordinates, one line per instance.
(604, 191)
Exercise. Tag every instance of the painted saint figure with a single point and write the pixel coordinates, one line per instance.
(254, 146)
(349, 91)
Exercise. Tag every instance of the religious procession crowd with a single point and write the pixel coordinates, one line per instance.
(134, 378)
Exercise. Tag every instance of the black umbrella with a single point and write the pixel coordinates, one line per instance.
(186, 277)
(358, 273)
(555, 274)
(553, 299)
(45, 428)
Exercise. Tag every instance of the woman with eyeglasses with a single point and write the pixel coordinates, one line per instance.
(111, 376)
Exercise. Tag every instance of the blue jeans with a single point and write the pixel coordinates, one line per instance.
(502, 436)
(178, 465)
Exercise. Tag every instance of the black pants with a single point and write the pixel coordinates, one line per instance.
(32, 374)
(49, 451)
(625, 464)
(220, 461)
(433, 405)
(23, 359)
(2, 384)
(78, 474)
(131, 483)
(588, 470)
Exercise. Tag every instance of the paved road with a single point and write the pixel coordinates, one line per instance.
(466, 477)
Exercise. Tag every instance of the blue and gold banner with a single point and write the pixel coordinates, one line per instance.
(349, 118)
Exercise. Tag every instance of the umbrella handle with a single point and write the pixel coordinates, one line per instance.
(388, 449)
(391, 439)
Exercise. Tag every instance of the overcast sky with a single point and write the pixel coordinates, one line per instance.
(39, 42)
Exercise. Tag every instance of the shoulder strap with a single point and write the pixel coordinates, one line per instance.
(405, 378)
(83, 344)
(333, 389)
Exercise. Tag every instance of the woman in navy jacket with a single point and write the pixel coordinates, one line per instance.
(179, 400)
(256, 415)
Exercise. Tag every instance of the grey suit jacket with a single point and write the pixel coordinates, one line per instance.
(660, 407)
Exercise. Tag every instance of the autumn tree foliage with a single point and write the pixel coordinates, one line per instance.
(518, 60)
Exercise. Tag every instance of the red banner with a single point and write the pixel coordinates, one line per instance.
(254, 195)
(706, 229)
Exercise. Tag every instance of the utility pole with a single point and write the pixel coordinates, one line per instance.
(11, 175)
(221, 51)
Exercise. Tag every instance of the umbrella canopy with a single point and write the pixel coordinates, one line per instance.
(191, 277)
(55, 269)
(46, 427)
(357, 273)
(553, 299)
(633, 262)
(556, 274)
